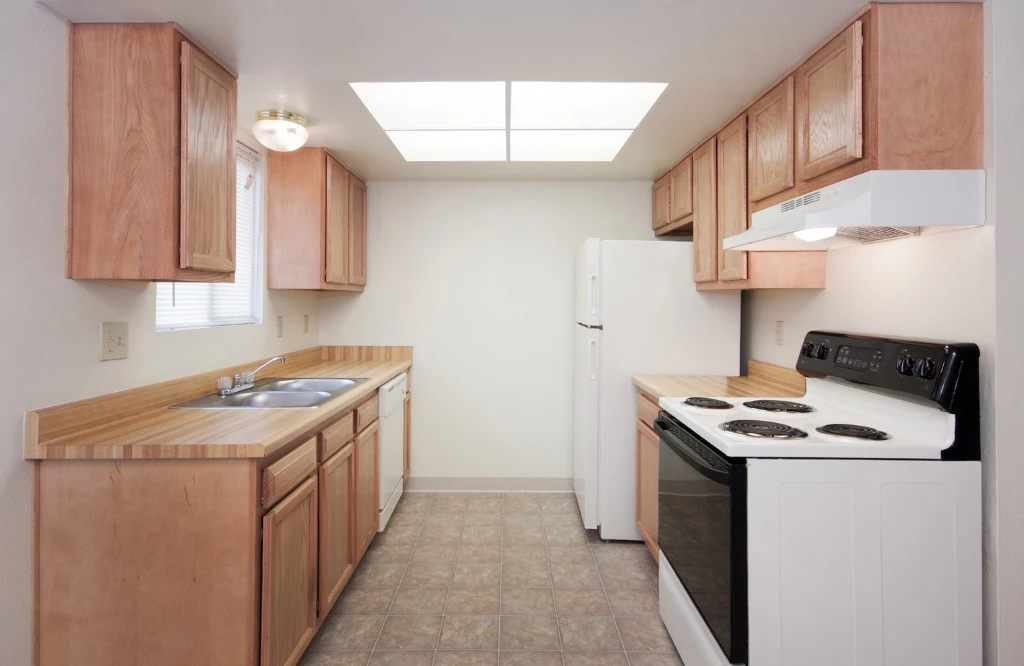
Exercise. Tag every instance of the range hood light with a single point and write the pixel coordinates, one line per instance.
(815, 234)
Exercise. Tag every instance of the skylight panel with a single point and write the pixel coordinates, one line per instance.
(567, 145)
(451, 145)
(581, 105)
(440, 105)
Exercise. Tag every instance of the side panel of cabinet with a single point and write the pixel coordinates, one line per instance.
(647, 446)
(357, 232)
(407, 444)
(660, 202)
(208, 119)
(367, 511)
(337, 531)
(681, 190)
(705, 218)
(770, 133)
(290, 576)
(829, 106)
(337, 239)
(732, 197)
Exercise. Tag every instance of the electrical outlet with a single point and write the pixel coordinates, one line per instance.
(780, 333)
(305, 323)
(280, 326)
(113, 340)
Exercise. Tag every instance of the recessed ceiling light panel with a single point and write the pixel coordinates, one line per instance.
(441, 105)
(567, 145)
(450, 145)
(580, 105)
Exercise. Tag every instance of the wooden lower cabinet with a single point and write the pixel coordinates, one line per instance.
(337, 531)
(647, 445)
(367, 511)
(290, 532)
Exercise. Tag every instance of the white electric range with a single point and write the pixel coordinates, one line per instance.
(840, 527)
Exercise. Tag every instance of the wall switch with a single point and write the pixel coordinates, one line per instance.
(113, 340)
(280, 326)
(780, 333)
(305, 323)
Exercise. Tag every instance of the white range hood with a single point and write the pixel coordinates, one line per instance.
(873, 206)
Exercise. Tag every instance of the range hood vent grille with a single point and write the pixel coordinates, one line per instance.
(792, 204)
(877, 234)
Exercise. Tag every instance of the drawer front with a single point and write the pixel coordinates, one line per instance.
(288, 472)
(366, 413)
(646, 410)
(337, 435)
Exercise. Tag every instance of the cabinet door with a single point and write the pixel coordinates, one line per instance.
(367, 516)
(357, 231)
(337, 531)
(660, 195)
(732, 197)
(829, 110)
(770, 133)
(407, 443)
(647, 445)
(681, 190)
(289, 576)
(338, 267)
(705, 219)
(208, 119)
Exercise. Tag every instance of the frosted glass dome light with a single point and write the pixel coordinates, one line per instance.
(280, 130)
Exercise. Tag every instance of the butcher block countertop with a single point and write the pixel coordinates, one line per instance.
(762, 380)
(138, 424)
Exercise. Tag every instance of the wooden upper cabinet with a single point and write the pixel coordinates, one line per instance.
(681, 190)
(151, 175)
(289, 618)
(337, 529)
(367, 511)
(660, 203)
(829, 105)
(705, 217)
(316, 222)
(771, 142)
(732, 197)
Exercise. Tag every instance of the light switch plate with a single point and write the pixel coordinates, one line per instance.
(113, 340)
(280, 326)
(780, 333)
(305, 323)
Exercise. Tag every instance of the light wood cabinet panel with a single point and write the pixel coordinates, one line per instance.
(660, 202)
(357, 231)
(337, 435)
(705, 216)
(829, 106)
(151, 171)
(732, 197)
(647, 445)
(284, 474)
(337, 223)
(290, 577)
(646, 410)
(367, 511)
(367, 411)
(337, 478)
(771, 138)
(681, 190)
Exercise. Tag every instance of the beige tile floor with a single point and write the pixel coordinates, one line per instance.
(461, 579)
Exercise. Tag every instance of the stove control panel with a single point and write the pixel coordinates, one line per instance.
(920, 368)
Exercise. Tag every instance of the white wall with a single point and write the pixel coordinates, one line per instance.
(49, 326)
(477, 276)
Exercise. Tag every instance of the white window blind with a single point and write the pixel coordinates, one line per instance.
(181, 305)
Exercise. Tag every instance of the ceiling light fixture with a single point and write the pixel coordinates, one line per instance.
(435, 105)
(450, 145)
(280, 130)
(567, 145)
(548, 105)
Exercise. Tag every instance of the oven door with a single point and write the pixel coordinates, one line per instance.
(702, 530)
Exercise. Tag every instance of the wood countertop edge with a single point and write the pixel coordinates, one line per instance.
(307, 423)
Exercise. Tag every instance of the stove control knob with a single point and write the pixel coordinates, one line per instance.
(905, 365)
(820, 352)
(807, 349)
(925, 368)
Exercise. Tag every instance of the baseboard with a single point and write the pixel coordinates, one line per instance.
(486, 484)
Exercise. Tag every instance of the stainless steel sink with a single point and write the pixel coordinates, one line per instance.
(302, 393)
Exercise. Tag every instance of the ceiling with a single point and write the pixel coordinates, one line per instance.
(300, 55)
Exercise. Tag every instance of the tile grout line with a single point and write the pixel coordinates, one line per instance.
(607, 600)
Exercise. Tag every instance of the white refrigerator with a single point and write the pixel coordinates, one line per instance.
(638, 312)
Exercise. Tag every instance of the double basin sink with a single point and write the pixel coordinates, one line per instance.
(276, 394)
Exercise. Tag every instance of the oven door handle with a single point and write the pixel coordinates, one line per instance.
(680, 448)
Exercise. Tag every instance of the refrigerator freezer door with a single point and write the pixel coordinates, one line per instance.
(588, 283)
(586, 380)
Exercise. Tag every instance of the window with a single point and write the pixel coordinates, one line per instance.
(181, 305)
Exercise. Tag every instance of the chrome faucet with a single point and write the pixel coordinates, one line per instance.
(243, 381)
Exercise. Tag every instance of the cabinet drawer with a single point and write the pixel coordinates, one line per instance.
(366, 413)
(646, 410)
(337, 435)
(288, 472)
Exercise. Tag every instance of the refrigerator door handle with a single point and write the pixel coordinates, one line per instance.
(593, 294)
(593, 359)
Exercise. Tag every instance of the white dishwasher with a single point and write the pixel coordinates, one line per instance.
(391, 452)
